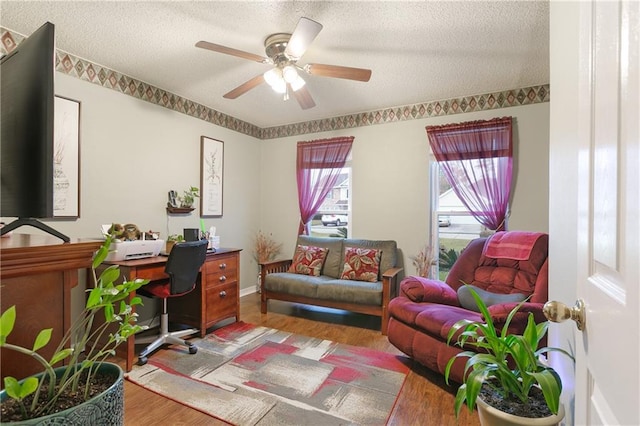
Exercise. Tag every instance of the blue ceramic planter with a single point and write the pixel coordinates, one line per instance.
(106, 409)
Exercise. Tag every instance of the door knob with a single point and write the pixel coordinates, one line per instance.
(559, 312)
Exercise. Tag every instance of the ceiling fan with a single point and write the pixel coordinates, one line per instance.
(283, 52)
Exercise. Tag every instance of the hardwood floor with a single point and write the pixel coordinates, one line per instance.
(424, 399)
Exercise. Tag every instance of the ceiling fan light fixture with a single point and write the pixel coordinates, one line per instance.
(297, 84)
(290, 74)
(273, 76)
(280, 86)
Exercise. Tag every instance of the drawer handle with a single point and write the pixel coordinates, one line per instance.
(223, 293)
(223, 266)
(223, 278)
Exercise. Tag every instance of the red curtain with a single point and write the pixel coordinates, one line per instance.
(318, 166)
(477, 160)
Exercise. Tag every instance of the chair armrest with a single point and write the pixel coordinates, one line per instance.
(390, 284)
(391, 273)
(272, 267)
(500, 312)
(275, 266)
(420, 289)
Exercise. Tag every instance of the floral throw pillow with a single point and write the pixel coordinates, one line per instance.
(308, 260)
(361, 264)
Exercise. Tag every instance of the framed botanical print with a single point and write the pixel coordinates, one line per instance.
(211, 177)
(66, 158)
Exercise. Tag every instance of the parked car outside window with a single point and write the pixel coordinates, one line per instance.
(444, 221)
(334, 219)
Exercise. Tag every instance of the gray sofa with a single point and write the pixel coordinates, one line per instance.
(328, 289)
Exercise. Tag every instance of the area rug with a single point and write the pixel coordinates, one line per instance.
(251, 375)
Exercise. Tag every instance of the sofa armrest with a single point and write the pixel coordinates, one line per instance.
(420, 289)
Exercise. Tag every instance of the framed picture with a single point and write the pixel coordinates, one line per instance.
(211, 176)
(66, 158)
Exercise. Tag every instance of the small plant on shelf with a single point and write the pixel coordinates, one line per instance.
(189, 197)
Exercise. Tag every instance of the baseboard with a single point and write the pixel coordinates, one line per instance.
(248, 290)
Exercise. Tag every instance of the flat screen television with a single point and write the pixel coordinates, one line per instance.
(27, 120)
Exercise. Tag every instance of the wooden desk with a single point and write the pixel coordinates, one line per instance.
(37, 273)
(215, 298)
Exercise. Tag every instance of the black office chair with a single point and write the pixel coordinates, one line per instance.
(183, 265)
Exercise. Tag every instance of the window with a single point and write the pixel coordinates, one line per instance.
(334, 216)
(453, 225)
(319, 166)
(471, 182)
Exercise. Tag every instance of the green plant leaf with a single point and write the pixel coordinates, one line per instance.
(490, 329)
(60, 355)
(108, 313)
(102, 252)
(43, 338)
(19, 391)
(94, 298)
(29, 386)
(12, 387)
(473, 383)
(461, 396)
(109, 275)
(551, 388)
(7, 321)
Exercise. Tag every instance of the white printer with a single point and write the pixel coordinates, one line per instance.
(136, 249)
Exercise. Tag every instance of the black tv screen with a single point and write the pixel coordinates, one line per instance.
(27, 114)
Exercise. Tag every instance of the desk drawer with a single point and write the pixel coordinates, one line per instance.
(222, 301)
(151, 273)
(221, 263)
(221, 270)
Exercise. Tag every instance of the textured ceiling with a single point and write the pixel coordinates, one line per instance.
(417, 51)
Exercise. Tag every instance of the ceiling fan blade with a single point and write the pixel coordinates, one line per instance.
(336, 71)
(306, 31)
(303, 97)
(233, 52)
(244, 87)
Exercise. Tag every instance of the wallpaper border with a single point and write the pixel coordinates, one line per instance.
(83, 69)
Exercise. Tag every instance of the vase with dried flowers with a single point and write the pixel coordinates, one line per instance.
(265, 250)
(423, 261)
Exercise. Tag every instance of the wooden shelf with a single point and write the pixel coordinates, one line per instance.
(179, 210)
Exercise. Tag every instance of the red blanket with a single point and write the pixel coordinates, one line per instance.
(515, 245)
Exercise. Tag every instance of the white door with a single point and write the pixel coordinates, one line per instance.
(606, 115)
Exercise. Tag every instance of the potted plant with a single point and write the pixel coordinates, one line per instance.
(172, 240)
(188, 197)
(506, 376)
(88, 389)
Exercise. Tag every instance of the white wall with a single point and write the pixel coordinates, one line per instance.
(390, 197)
(133, 152)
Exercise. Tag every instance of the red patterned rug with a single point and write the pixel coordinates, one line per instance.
(249, 375)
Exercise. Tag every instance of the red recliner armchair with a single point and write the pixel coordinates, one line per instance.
(507, 267)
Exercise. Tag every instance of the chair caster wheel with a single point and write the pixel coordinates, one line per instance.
(193, 349)
(142, 360)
